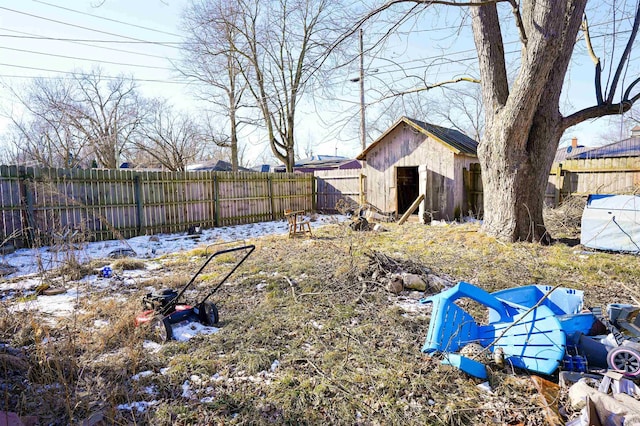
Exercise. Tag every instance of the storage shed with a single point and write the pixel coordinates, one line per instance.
(414, 158)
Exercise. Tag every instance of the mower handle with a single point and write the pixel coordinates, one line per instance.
(250, 248)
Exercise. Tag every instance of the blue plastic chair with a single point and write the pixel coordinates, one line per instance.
(532, 340)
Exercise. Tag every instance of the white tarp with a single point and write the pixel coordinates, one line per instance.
(611, 222)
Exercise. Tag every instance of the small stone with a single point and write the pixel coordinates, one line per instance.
(154, 239)
(395, 285)
(414, 282)
(6, 269)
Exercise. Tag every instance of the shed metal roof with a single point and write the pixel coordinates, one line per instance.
(455, 140)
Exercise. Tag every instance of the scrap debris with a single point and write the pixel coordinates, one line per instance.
(544, 329)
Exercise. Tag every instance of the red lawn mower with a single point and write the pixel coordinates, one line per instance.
(164, 311)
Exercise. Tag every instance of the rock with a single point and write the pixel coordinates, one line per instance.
(96, 419)
(6, 269)
(154, 239)
(121, 252)
(7, 248)
(395, 285)
(359, 224)
(437, 283)
(379, 228)
(414, 282)
(54, 291)
(13, 362)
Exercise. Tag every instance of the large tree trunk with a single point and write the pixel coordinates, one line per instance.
(522, 122)
(515, 182)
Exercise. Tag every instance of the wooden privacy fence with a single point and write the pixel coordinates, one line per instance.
(334, 185)
(41, 205)
(593, 176)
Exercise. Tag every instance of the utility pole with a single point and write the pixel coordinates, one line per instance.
(363, 130)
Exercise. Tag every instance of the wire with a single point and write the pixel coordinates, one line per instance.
(83, 44)
(108, 19)
(81, 27)
(86, 59)
(75, 74)
(160, 43)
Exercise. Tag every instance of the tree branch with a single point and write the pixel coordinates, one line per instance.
(595, 59)
(596, 112)
(625, 55)
(429, 87)
(515, 8)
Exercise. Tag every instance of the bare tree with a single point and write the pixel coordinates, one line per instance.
(461, 109)
(170, 139)
(43, 135)
(69, 121)
(210, 57)
(107, 112)
(284, 44)
(523, 122)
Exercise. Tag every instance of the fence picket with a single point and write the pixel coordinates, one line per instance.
(41, 203)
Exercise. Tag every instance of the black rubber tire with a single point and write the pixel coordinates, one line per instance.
(208, 313)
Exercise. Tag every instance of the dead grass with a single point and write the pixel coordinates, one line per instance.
(304, 337)
(128, 264)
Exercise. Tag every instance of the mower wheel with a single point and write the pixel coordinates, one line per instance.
(208, 313)
(161, 330)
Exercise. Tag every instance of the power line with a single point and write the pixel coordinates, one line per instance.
(69, 73)
(107, 19)
(82, 27)
(35, 36)
(85, 59)
(90, 40)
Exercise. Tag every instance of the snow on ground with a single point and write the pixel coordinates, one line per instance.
(30, 263)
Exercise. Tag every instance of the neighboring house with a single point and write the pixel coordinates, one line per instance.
(215, 166)
(320, 162)
(414, 158)
(569, 151)
(629, 147)
(607, 169)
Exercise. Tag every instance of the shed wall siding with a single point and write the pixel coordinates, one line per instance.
(405, 147)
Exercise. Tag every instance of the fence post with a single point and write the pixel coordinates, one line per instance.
(137, 194)
(272, 201)
(314, 193)
(26, 195)
(558, 184)
(466, 182)
(216, 205)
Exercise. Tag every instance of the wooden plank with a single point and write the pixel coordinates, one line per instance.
(412, 208)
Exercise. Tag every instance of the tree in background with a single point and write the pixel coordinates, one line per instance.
(74, 120)
(210, 58)
(44, 135)
(90, 121)
(277, 47)
(168, 138)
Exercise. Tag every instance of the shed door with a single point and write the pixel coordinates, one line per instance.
(407, 187)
